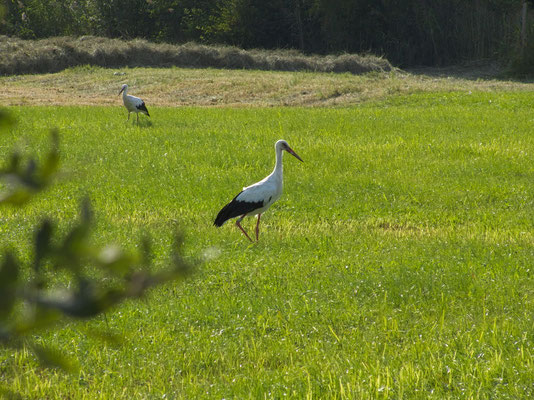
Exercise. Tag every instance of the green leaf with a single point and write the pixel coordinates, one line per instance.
(86, 211)
(43, 238)
(27, 180)
(29, 172)
(87, 302)
(13, 165)
(180, 266)
(8, 394)
(9, 273)
(115, 260)
(51, 164)
(6, 119)
(74, 248)
(146, 251)
(40, 318)
(17, 197)
(53, 358)
(111, 338)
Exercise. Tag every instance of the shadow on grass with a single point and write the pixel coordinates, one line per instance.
(143, 123)
(474, 71)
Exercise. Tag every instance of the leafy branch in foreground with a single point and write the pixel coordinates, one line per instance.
(97, 279)
(25, 180)
(68, 277)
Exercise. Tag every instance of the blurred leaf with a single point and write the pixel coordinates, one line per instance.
(14, 163)
(39, 319)
(6, 119)
(87, 302)
(75, 241)
(146, 251)
(28, 175)
(53, 358)
(74, 249)
(86, 211)
(115, 260)
(16, 197)
(138, 282)
(113, 339)
(25, 181)
(180, 266)
(43, 238)
(8, 394)
(9, 273)
(51, 164)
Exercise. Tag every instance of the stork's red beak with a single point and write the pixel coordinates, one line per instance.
(290, 151)
(121, 91)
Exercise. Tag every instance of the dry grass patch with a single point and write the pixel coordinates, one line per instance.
(19, 56)
(219, 87)
(215, 76)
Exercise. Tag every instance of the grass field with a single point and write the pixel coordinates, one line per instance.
(172, 87)
(397, 264)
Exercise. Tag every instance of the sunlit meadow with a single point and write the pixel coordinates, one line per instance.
(397, 264)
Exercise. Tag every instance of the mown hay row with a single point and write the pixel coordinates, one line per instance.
(19, 56)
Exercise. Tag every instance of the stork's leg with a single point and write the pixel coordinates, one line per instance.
(128, 116)
(258, 228)
(240, 227)
(137, 118)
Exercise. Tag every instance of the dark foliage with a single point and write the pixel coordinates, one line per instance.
(407, 32)
(24, 180)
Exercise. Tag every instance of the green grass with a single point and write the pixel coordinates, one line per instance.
(397, 264)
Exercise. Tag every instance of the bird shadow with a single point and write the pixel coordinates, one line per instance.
(142, 124)
(145, 124)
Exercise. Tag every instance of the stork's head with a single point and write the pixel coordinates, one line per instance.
(282, 145)
(124, 87)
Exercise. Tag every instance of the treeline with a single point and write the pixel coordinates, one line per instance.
(407, 32)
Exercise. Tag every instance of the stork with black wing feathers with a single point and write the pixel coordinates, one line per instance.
(257, 198)
(132, 103)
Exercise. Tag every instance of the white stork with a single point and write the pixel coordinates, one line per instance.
(132, 103)
(257, 198)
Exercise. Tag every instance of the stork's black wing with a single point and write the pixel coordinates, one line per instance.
(236, 208)
(142, 107)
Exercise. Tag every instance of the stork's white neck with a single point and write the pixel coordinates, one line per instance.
(278, 169)
(124, 92)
